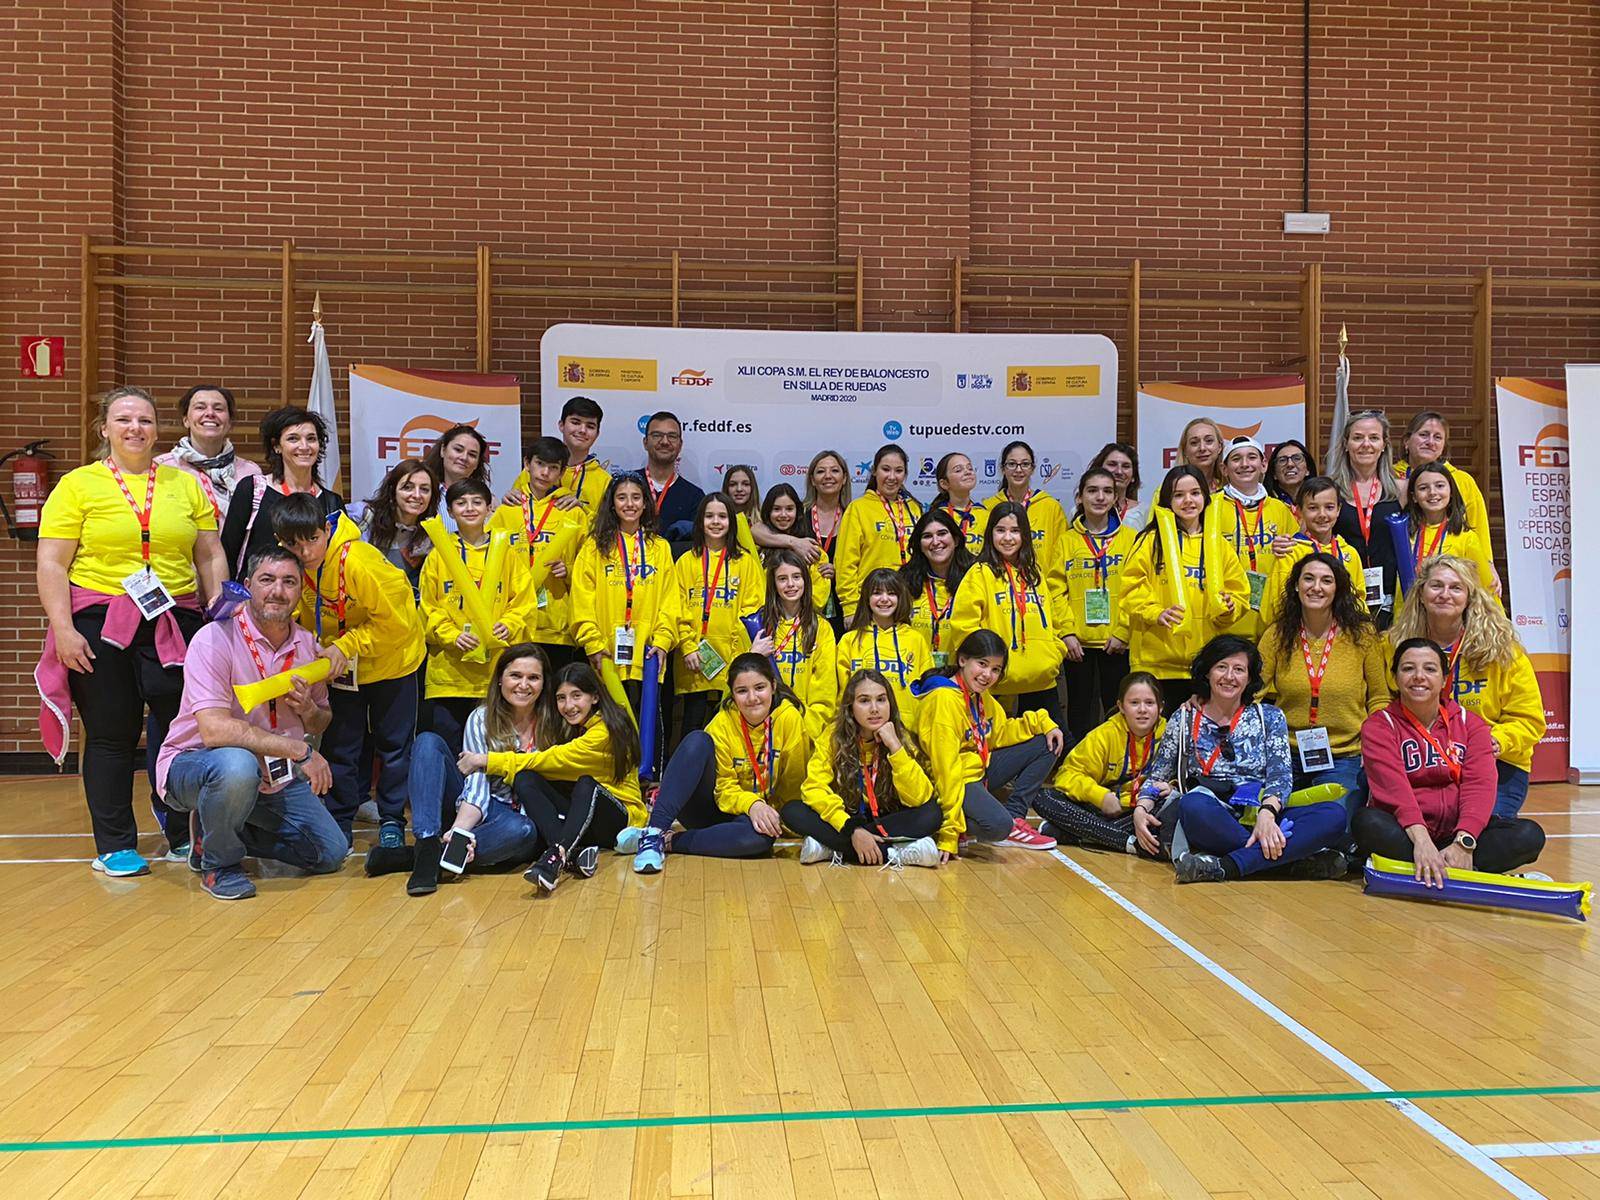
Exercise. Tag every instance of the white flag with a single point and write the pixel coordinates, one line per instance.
(321, 403)
(1341, 411)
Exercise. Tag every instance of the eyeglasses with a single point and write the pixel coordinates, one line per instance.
(663, 437)
(1019, 464)
(1292, 459)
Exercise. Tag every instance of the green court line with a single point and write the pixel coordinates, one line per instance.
(700, 1120)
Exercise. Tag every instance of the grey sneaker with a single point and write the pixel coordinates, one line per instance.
(585, 862)
(1200, 868)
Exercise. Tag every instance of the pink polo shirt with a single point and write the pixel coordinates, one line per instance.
(218, 658)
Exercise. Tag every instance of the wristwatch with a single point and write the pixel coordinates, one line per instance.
(1466, 841)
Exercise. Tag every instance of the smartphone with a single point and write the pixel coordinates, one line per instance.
(454, 858)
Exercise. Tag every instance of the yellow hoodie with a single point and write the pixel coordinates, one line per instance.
(599, 599)
(587, 754)
(1471, 496)
(736, 789)
(1509, 699)
(1465, 544)
(544, 535)
(738, 587)
(1167, 653)
(972, 521)
(872, 534)
(933, 621)
(1108, 759)
(911, 784)
(1085, 573)
(1034, 630)
(814, 676)
(380, 630)
(1047, 521)
(900, 652)
(587, 482)
(1278, 577)
(511, 601)
(945, 728)
(1251, 539)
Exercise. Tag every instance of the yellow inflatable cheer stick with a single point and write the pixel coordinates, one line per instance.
(1211, 549)
(474, 604)
(1171, 554)
(252, 695)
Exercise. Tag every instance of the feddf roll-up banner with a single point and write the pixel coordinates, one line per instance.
(1583, 443)
(1269, 408)
(772, 399)
(1534, 458)
(400, 414)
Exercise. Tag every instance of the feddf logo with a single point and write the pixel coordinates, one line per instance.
(1549, 449)
(689, 377)
(418, 436)
(891, 429)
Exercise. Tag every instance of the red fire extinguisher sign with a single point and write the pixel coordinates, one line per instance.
(44, 357)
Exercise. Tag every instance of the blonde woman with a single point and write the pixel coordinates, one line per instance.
(1369, 492)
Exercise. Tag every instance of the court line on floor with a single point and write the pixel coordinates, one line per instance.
(1541, 1149)
(1430, 1125)
(804, 1116)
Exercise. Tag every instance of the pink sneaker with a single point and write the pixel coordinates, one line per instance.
(1025, 835)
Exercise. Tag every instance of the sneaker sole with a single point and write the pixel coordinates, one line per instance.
(236, 896)
(97, 865)
(1030, 845)
(548, 885)
(646, 870)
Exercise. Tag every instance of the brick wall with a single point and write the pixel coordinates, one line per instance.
(909, 132)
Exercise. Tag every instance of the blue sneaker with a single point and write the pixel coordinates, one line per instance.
(628, 840)
(392, 835)
(652, 855)
(228, 883)
(120, 864)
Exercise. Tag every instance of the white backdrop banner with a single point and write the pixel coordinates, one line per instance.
(1269, 408)
(1583, 442)
(400, 414)
(772, 399)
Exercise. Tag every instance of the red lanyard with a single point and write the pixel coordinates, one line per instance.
(144, 513)
(831, 536)
(935, 616)
(976, 723)
(869, 785)
(963, 517)
(1240, 528)
(901, 532)
(1194, 738)
(1364, 511)
(261, 668)
(1133, 769)
(1331, 548)
(1097, 551)
(762, 786)
(1417, 552)
(535, 530)
(1454, 651)
(211, 494)
(628, 574)
(340, 600)
(1445, 751)
(1316, 674)
(1019, 607)
(708, 588)
(579, 472)
(285, 489)
(660, 497)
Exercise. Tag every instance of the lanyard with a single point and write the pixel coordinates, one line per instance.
(1098, 551)
(1019, 606)
(1445, 751)
(869, 785)
(901, 532)
(628, 575)
(535, 530)
(764, 787)
(1194, 738)
(211, 494)
(708, 588)
(936, 616)
(831, 536)
(1240, 529)
(580, 471)
(1133, 770)
(778, 648)
(340, 600)
(1454, 651)
(1316, 674)
(144, 513)
(1364, 510)
(661, 496)
(1331, 548)
(1417, 552)
(877, 660)
(963, 517)
(976, 722)
(261, 668)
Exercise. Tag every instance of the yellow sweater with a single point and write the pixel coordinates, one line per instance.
(1047, 520)
(933, 621)
(381, 632)
(740, 588)
(1167, 653)
(544, 535)
(1085, 573)
(813, 676)
(1509, 699)
(1466, 544)
(872, 534)
(1105, 761)
(511, 600)
(1356, 686)
(1278, 577)
(736, 789)
(1471, 497)
(973, 520)
(1252, 541)
(587, 754)
(821, 793)
(599, 600)
(587, 482)
(946, 730)
(900, 652)
(1034, 630)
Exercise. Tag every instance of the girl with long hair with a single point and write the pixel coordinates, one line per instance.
(957, 480)
(800, 644)
(1121, 461)
(1359, 464)
(939, 560)
(1047, 520)
(822, 514)
(876, 531)
(783, 516)
(744, 501)
(883, 639)
(867, 787)
(1436, 520)
(392, 520)
(1097, 546)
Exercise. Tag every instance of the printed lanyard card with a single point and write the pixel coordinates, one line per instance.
(711, 663)
(1374, 581)
(145, 588)
(1315, 749)
(623, 644)
(1258, 584)
(1097, 607)
(279, 771)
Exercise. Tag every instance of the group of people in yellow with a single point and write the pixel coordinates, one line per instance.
(888, 679)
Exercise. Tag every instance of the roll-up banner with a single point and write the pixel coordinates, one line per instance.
(1269, 408)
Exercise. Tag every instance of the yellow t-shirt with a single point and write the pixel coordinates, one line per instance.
(88, 507)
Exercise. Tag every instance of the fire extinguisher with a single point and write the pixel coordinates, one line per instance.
(30, 482)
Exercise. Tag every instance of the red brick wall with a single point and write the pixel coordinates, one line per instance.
(911, 133)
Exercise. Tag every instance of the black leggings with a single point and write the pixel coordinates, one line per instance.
(1504, 845)
(698, 709)
(1082, 824)
(922, 821)
(1094, 679)
(588, 816)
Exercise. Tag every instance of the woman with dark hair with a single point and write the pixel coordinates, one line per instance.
(957, 480)
(207, 411)
(1097, 546)
(1047, 520)
(1436, 520)
(1121, 461)
(783, 519)
(1322, 662)
(392, 520)
(1223, 768)
(800, 644)
(1431, 769)
(876, 530)
(1163, 634)
(938, 562)
(295, 441)
(1288, 466)
(460, 452)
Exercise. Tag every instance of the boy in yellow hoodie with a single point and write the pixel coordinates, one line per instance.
(361, 609)
(546, 538)
(1319, 506)
(1257, 525)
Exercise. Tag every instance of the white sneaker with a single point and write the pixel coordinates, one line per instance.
(628, 840)
(813, 851)
(921, 853)
(1537, 876)
(368, 811)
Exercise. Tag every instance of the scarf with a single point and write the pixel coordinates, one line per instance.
(220, 470)
(1254, 497)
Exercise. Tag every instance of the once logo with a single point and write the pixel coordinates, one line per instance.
(419, 435)
(688, 377)
(892, 429)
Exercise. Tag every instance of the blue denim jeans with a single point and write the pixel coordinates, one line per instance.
(504, 834)
(237, 818)
(1511, 791)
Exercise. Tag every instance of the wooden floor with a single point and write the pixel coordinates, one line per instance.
(294, 1043)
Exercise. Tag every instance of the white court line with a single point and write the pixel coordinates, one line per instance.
(1435, 1128)
(1541, 1149)
(1569, 836)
